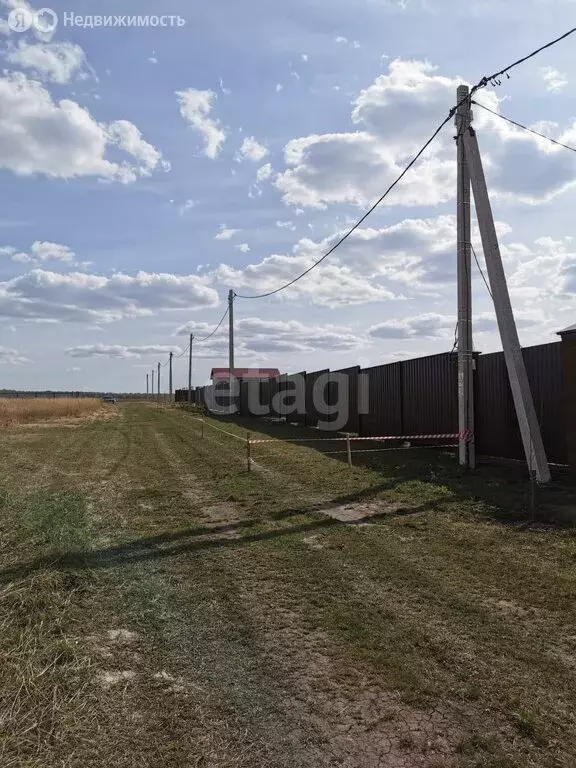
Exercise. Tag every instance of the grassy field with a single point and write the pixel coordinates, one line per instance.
(27, 410)
(161, 606)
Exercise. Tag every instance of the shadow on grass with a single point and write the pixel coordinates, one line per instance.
(196, 539)
(498, 492)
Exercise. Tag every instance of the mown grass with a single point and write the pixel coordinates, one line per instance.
(265, 610)
(26, 410)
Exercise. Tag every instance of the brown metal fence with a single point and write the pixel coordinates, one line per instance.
(430, 395)
(420, 396)
(385, 407)
(313, 416)
(497, 431)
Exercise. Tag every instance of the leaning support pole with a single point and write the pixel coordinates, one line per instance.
(519, 384)
(467, 452)
(248, 452)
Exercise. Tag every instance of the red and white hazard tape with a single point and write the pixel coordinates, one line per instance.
(459, 436)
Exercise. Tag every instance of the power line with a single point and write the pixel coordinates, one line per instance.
(481, 272)
(198, 341)
(524, 127)
(177, 357)
(494, 79)
(360, 221)
(490, 79)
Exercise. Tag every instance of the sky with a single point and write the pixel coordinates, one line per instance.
(147, 170)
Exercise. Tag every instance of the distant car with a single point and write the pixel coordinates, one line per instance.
(110, 399)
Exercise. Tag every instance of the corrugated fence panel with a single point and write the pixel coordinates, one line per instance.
(312, 413)
(497, 431)
(244, 395)
(496, 427)
(544, 366)
(384, 415)
(297, 384)
(265, 395)
(349, 398)
(430, 395)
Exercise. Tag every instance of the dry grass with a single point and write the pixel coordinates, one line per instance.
(25, 411)
(161, 606)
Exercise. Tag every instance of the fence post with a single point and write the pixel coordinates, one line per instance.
(248, 452)
(349, 449)
(202, 425)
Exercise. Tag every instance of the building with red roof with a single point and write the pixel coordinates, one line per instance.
(244, 374)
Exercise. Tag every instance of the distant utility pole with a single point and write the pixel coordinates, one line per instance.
(152, 382)
(519, 384)
(170, 381)
(158, 384)
(231, 331)
(467, 452)
(190, 369)
(147, 384)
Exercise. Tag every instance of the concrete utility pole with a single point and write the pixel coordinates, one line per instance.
(158, 384)
(147, 383)
(231, 330)
(467, 450)
(519, 384)
(152, 382)
(190, 369)
(170, 380)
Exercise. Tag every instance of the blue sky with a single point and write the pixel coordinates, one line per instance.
(145, 171)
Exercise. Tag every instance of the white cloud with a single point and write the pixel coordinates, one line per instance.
(427, 326)
(129, 139)
(355, 168)
(119, 351)
(153, 60)
(304, 57)
(186, 206)
(285, 225)
(40, 252)
(54, 62)
(195, 107)
(62, 140)
(12, 356)
(243, 247)
(257, 336)
(279, 87)
(45, 251)
(555, 81)
(332, 284)
(403, 105)
(264, 173)
(252, 150)
(340, 39)
(79, 297)
(226, 233)
(394, 116)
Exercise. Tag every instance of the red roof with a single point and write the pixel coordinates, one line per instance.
(245, 373)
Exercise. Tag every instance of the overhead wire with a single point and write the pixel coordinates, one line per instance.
(359, 222)
(481, 272)
(525, 127)
(487, 80)
(506, 70)
(199, 341)
(177, 357)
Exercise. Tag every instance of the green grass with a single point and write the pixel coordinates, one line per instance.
(257, 629)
